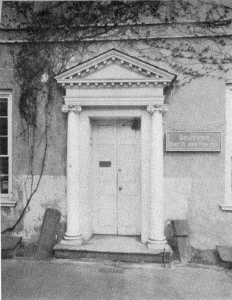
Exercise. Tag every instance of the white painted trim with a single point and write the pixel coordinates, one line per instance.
(5, 202)
(227, 205)
(114, 81)
(108, 113)
(114, 101)
(6, 198)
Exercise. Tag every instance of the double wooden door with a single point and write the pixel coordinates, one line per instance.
(116, 177)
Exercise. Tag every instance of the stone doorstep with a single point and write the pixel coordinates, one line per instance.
(115, 256)
(9, 246)
(116, 248)
(108, 249)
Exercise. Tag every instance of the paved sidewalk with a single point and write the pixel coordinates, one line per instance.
(63, 279)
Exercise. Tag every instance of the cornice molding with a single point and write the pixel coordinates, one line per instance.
(153, 31)
(113, 83)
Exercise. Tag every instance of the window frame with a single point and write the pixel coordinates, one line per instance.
(6, 199)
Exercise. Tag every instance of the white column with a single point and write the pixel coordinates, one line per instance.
(73, 235)
(157, 240)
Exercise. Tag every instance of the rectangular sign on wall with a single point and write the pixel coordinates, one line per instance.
(193, 141)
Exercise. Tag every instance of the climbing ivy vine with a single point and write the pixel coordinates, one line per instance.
(64, 28)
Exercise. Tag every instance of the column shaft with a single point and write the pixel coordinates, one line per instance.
(157, 239)
(73, 235)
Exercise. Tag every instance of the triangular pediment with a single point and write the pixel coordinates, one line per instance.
(114, 67)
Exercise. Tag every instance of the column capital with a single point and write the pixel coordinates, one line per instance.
(158, 107)
(67, 108)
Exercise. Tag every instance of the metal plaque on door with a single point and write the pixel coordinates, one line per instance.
(104, 164)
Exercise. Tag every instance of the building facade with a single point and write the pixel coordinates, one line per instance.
(128, 151)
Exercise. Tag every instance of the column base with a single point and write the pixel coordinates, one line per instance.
(72, 240)
(158, 246)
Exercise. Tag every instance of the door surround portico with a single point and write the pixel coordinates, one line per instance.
(115, 85)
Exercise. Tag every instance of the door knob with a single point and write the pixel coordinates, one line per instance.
(120, 188)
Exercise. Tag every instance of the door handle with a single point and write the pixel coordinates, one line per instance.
(120, 188)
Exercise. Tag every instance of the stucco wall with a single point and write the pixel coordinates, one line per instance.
(51, 191)
(194, 182)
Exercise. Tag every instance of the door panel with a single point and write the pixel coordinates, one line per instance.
(129, 210)
(116, 178)
(104, 178)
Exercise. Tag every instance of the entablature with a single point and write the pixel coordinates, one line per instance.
(115, 78)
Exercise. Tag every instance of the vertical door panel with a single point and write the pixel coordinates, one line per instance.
(129, 210)
(104, 180)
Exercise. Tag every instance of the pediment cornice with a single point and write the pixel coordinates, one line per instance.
(114, 68)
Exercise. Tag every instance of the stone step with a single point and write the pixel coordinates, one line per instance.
(114, 248)
(163, 257)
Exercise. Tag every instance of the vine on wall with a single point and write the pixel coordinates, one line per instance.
(31, 63)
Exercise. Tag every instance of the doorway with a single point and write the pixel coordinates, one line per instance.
(116, 176)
